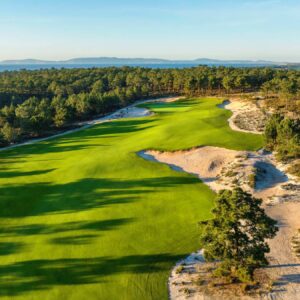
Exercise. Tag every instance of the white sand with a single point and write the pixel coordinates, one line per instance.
(219, 168)
(205, 162)
(284, 265)
(185, 278)
(246, 111)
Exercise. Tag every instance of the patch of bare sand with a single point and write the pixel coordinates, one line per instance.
(222, 168)
(246, 116)
(284, 265)
(205, 162)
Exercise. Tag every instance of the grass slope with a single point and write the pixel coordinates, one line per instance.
(83, 217)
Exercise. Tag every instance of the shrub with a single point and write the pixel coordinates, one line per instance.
(295, 168)
(252, 179)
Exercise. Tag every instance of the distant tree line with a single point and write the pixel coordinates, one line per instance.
(35, 103)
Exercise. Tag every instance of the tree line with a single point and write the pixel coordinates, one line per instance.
(283, 135)
(35, 103)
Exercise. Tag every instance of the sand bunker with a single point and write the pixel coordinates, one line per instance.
(222, 168)
(246, 116)
(205, 162)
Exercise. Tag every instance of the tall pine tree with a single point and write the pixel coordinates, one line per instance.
(237, 234)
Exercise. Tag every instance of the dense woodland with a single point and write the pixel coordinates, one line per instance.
(282, 135)
(36, 103)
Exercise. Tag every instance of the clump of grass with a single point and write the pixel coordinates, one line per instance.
(252, 178)
(200, 281)
(294, 168)
(179, 269)
(186, 291)
(235, 181)
(245, 288)
(295, 242)
(231, 173)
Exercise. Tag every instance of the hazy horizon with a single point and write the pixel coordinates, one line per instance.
(172, 29)
(146, 58)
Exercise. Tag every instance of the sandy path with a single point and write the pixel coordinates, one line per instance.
(284, 266)
(130, 111)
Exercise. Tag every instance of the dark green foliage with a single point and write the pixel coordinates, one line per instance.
(34, 115)
(236, 235)
(34, 102)
(282, 134)
(9, 133)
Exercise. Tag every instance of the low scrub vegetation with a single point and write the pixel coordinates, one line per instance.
(252, 179)
(294, 168)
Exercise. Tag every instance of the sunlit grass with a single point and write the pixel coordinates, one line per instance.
(84, 217)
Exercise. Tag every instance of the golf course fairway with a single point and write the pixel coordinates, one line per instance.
(84, 217)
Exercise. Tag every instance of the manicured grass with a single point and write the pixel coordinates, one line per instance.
(83, 217)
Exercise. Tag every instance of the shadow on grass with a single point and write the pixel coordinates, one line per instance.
(79, 140)
(74, 239)
(28, 276)
(44, 198)
(35, 229)
(11, 174)
(184, 103)
(8, 248)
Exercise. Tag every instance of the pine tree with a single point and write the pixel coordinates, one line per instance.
(236, 235)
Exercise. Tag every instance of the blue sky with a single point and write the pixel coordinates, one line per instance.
(177, 29)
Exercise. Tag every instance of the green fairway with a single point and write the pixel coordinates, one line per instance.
(84, 217)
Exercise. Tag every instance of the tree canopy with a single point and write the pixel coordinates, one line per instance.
(282, 134)
(35, 102)
(236, 235)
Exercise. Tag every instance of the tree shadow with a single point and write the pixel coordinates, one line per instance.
(37, 229)
(8, 248)
(287, 279)
(282, 266)
(79, 139)
(74, 240)
(28, 276)
(268, 175)
(11, 174)
(44, 198)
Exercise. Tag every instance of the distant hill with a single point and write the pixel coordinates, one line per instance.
(116, 61)
(25, 62)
